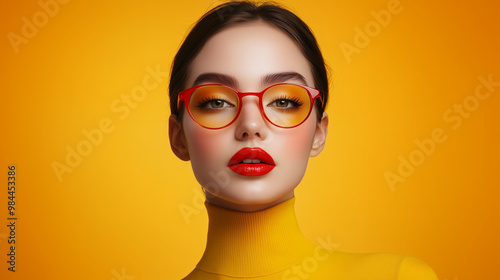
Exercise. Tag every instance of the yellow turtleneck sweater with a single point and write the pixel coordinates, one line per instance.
(268, 244)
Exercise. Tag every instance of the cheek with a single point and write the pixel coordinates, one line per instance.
(205, 146)
(292, 148)
(298, 141)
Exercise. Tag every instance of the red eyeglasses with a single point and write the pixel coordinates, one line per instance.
(216, 106)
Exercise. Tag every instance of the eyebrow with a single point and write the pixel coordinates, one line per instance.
(283, 77)
(216, 78)
(228, 80)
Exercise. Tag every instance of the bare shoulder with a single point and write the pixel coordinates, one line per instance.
(381, 266)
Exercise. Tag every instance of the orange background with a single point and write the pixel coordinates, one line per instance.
(117, 214)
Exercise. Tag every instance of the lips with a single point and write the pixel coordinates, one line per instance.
(251, 162)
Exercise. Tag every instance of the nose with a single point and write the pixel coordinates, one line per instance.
(250, 123)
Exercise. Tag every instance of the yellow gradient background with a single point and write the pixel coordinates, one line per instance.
(117, 215)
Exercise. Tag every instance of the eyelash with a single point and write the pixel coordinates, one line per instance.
(296, 101)
(207, 100)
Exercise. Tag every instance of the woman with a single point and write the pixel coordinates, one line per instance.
(248, 91)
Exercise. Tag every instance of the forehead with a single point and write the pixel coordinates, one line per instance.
(248, 52)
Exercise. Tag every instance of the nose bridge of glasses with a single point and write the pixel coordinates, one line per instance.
(245, 94)
(248, 96)
(248, 99)
(250, 107)
(251, 119)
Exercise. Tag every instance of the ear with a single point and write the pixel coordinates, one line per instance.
(177, 138)
(320, 136)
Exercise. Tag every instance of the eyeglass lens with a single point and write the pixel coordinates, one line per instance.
(215, 106)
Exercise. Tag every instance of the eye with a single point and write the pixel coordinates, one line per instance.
(217, 103)
(284, 102)
(213, 103)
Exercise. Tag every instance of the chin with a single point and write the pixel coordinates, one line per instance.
(253, 193)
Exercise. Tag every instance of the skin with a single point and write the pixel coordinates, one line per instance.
(247, 54)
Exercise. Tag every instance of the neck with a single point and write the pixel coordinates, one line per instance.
(250, 207)
(254, 243)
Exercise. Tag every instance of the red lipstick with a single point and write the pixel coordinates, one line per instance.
(251, 162)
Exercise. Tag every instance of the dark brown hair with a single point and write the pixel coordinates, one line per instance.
(237, 12)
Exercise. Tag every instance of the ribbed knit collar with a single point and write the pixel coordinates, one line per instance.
(242, 244)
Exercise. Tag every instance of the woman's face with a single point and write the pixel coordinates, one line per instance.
(249, 57)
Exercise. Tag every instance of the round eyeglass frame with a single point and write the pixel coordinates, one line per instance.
(185, 95)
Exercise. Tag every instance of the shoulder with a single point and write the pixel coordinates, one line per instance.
(381, 266)
(413, 268)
